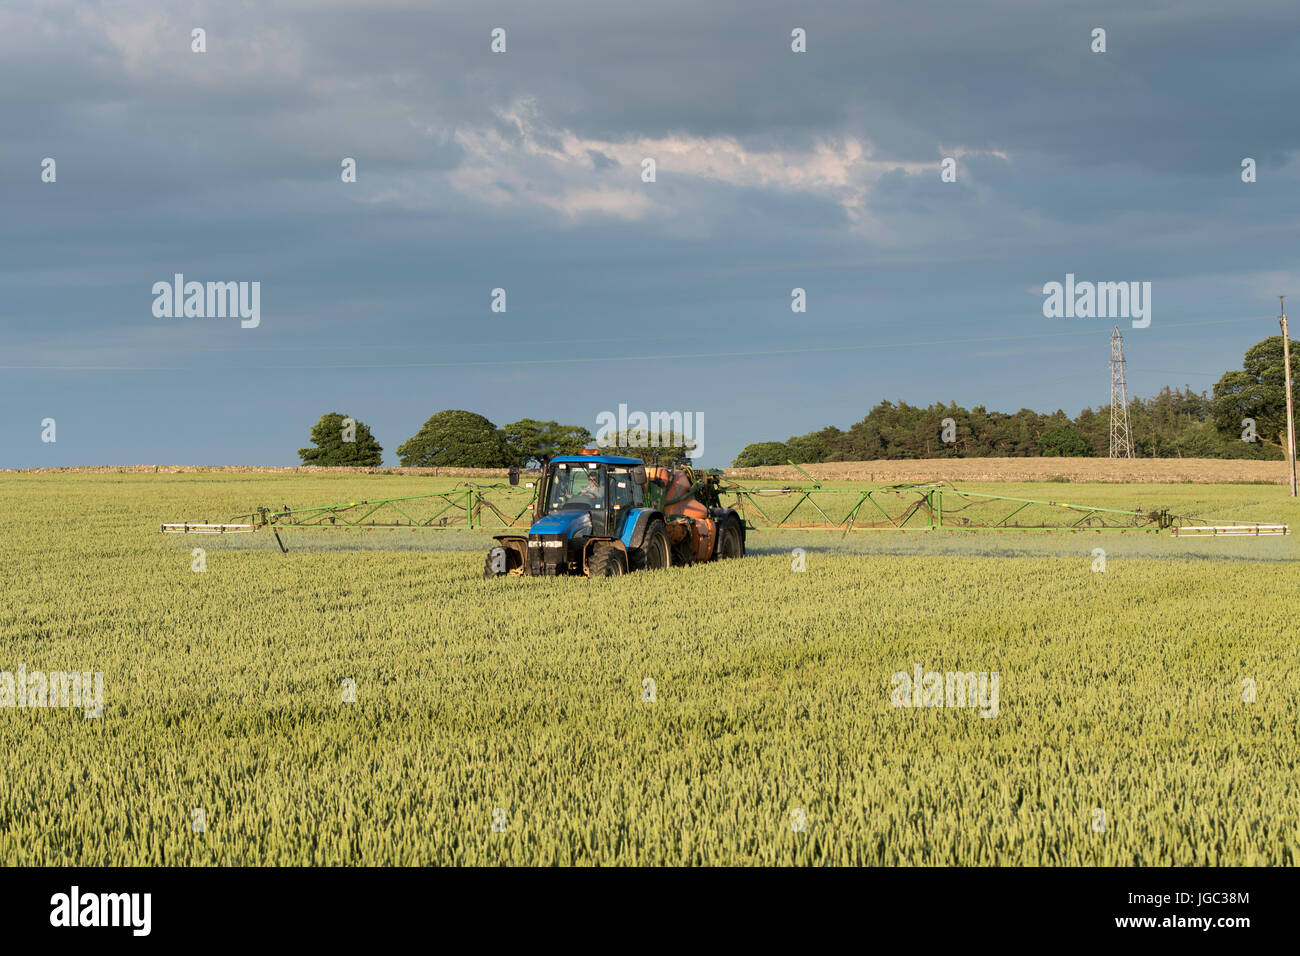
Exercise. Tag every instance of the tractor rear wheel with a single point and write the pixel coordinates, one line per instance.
(731, 544)
(653, 553)
(605, 562)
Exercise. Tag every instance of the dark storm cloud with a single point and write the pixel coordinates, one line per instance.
(523, 170)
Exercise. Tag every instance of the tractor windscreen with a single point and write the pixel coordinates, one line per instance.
(576, 485)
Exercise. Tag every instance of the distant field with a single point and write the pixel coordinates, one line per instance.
(1173, 470)
(1206, 470)
(1119, 691)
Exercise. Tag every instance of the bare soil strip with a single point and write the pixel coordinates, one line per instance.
(260, 470)
(1134, 470)
(1119, 470)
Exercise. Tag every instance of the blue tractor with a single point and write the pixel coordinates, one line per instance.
(602, 515)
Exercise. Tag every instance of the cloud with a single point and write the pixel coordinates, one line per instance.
(521, 159)
(523, 170)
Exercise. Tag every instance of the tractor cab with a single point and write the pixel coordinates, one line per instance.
(582, 501)
(591, 492)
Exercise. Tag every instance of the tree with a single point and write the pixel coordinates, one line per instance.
(532, 442)
(1176, 422)
(1257, 391)
(341, 440)
(762, 453)
(456, 438)
(813, 447)
(1203, 440)
(1094, 426)
(647, 445)
(1064, 441)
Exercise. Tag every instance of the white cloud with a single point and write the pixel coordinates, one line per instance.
(522, 160)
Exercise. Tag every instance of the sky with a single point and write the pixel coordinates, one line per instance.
(523, 170)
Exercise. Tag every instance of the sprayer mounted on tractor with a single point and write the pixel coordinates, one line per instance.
(601, 516)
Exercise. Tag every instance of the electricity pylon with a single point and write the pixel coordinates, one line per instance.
(1121, 445)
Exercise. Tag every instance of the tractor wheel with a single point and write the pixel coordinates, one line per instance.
(653, 554)
(500, 562)
(604, 562)
(731, 544)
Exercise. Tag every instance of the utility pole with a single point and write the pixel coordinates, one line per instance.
(1290, 404)
(1121, 445)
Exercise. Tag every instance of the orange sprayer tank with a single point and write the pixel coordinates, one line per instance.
(678, 500)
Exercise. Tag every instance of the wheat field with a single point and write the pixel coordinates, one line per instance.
(370, 699)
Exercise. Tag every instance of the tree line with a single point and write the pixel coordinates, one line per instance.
(1244, 417)
(455, 437)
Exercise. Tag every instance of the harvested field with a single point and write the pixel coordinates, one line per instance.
(484, 473)
(1168, 470)
(1141, 470)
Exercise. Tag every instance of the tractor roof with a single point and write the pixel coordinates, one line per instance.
(600, 459)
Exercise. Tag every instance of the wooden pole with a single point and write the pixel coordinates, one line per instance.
(1290, 404)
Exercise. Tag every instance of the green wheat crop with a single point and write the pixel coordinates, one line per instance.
(1120, 691)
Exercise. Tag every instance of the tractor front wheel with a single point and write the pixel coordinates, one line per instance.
(604, 562)
(500, 562)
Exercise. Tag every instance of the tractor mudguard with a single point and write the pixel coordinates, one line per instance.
(634, 530)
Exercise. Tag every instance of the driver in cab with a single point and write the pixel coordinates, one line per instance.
(592, 494)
